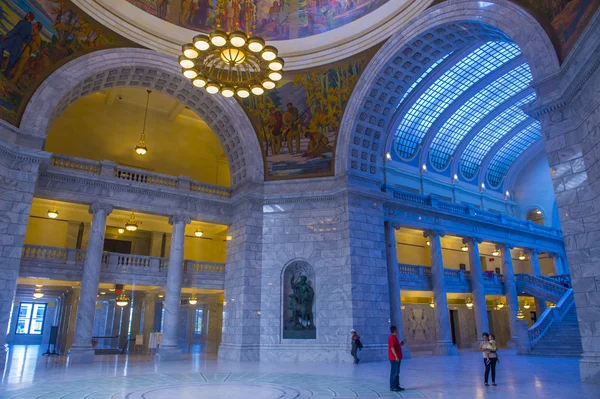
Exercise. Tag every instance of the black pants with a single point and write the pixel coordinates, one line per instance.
(488, 367)
(353, 353)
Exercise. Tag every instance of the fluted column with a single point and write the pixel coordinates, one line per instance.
(149, 307)
(82, 350)
(394, 283)
(479, 304)
(444, 345)
(540, 303)
(169, 350)
(510, 289)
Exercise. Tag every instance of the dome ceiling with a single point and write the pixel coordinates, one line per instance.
(274, 19)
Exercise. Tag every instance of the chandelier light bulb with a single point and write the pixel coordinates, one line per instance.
(233, 56)
(238, 38)
(141, 148)
(52, 213)
(212, 88)
(227, 92)
(199, 81)
(201, 42)
(256, 44)
(131, 224)
(198, 233)
(275, 76)
(185, 62)
(243, 92)
(267, 84)
(257, 90)
(218, 38)
(269, 53)
(190, 51)
(189, 73)
(276, 64)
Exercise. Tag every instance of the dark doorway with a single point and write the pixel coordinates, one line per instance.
(118, 246)
(454, 326)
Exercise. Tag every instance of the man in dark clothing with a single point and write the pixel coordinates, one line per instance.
(395, 356)
(15, 40)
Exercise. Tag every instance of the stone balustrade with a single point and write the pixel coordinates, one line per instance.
(418, 278)
(136, 176)
(67, 264)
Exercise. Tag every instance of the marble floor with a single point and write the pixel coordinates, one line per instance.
(29, 375)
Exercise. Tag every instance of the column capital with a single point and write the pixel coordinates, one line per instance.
(504, 246)
(179, 219)
(96, 206)
(553, 255)
(433, 232)
(472, 240)
(531, 251)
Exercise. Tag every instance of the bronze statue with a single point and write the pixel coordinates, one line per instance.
(300, 304)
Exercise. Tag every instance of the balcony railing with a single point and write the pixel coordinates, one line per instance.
(418, 277)
(468, 210)
(68, 264)
(137, 176)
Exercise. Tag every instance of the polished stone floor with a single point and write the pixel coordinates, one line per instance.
(29, 375)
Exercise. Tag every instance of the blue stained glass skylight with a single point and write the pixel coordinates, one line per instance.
(511, 151)
(420, 78)
(453, 131)
(487, 137)
(455, 81)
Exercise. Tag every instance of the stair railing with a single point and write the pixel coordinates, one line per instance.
(552, 290)
(549, 317)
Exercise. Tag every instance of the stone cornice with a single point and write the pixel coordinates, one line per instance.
(18, 153)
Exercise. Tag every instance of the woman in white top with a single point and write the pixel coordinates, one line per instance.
(488, 348)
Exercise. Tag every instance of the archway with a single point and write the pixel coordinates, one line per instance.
(365, 127)
(127, 67)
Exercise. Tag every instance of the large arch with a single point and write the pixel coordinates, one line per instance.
(365, 128)
(129, 67)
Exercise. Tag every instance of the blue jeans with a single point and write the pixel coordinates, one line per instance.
(395, 374)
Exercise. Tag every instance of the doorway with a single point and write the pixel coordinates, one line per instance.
(454, 327)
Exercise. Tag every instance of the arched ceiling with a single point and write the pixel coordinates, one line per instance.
(462, 116)
(307, 33)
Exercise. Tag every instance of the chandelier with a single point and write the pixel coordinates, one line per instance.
(141, 148)
(131, 224)
(122, 300)
(231, 62)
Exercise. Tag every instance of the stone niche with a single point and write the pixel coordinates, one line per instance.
(299, 297)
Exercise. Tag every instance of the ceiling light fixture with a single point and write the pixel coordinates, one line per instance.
(520, 314)
(231, 62)
(198, 232)
(52, 213)
(121, 230)
(522, 256)
(131, 224)
(538, 211)
(464, 248)
(496, 252)
(499, 304)
(469, 303)
(193, 300)
(38, 293)
(141, 149)
(428, 243)
(431, 303)
(527, 305)
(122, 300)
(228, 238)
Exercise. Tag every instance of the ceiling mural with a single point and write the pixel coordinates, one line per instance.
(270, 19)
(297, 123)
(38, 37)
(564, 20)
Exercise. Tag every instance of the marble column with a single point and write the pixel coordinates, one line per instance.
(559, 266)
(124, 328)
(510, 289)
(394, 283)
(443, 345)
(108, 323)
(71, 321)
(169, 350)
(82, 350)
(149, 306)
(138, 305)
(540, 303)
(478, 289)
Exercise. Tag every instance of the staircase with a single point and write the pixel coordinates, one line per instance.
(556, 332)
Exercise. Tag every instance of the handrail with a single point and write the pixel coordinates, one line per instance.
(549, 317)
(532, 283)
(210, 189)
(76, 164)
(44, 252)
(138, 176)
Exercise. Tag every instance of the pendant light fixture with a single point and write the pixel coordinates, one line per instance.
(38, 293)
(121, 230)
(469, 302)
(520, 314)
(198, 232)
(131, 224)
(52, 213)
(464, 248)
(431, 303)
(193, 300)
(496, 252)
(499, 304)
(122, 300)
(522, 256)
(527, 305)
(141, 149)
(428, 243)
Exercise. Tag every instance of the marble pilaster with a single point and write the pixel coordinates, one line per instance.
(510, 289)
(156, 241)
(82, 350)
(478, 289)
(443, 345)
(72, 318)
(540, 303)
(394, 283)
(149, 307)
(169, 350)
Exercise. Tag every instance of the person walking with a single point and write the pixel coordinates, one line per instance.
(488, 348)
(356, 345)
(395, 357)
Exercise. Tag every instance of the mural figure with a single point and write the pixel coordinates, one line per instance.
(36, 38)
(202, 13)
(297, 123)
